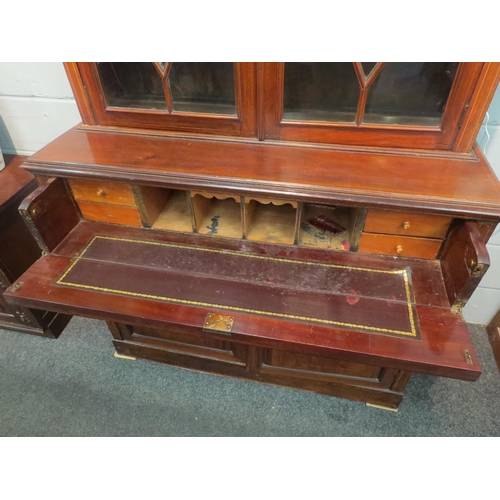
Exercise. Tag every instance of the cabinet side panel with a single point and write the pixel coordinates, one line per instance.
(80, 93)
(480, 100)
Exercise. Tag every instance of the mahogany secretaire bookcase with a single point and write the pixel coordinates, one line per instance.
(312, 225)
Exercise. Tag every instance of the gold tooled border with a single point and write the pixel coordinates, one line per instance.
(403, 272)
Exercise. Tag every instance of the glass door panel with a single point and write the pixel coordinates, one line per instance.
(176, 87)
(216, 98)
(203, 88)
(325, 92)
(368, 67)
(406, 105)
(132, 85)
(410, 94)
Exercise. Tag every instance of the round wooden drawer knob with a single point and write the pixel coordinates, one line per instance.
(101, 192)
(406, 225)
(399, 249)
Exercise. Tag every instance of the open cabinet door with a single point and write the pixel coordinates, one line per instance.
(396, 104)
(199, 97)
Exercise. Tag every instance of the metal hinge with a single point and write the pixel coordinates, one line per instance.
(218, 323)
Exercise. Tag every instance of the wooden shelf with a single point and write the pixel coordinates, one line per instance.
(218, 215)
(176, 214)
(270, 222)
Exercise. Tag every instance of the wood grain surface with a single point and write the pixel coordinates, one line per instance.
(463, 186)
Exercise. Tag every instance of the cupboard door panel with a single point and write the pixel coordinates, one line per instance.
(404, 105)
(193, 342)
(317, 364)
(196, 98)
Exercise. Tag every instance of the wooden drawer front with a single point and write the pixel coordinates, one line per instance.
(102, 192)
(407, 224)
(114, 214)
(402, 246)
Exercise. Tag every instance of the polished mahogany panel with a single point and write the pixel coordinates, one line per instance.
(460, 184)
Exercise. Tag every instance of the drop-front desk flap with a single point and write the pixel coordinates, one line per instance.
(352, 306)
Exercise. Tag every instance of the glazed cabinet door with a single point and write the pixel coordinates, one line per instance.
(411, 105)
(201, 97)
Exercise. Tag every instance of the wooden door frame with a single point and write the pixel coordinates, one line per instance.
(457, 132)
(89, 94)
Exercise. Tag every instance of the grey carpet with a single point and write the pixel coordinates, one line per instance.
(74, 386)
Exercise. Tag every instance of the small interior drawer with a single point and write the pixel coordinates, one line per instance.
(408, 224)
(115, 214)
(113, 193)
(403, 246)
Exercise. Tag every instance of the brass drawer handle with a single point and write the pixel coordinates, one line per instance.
(399, 249)
(406, 225)
(101, 192)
